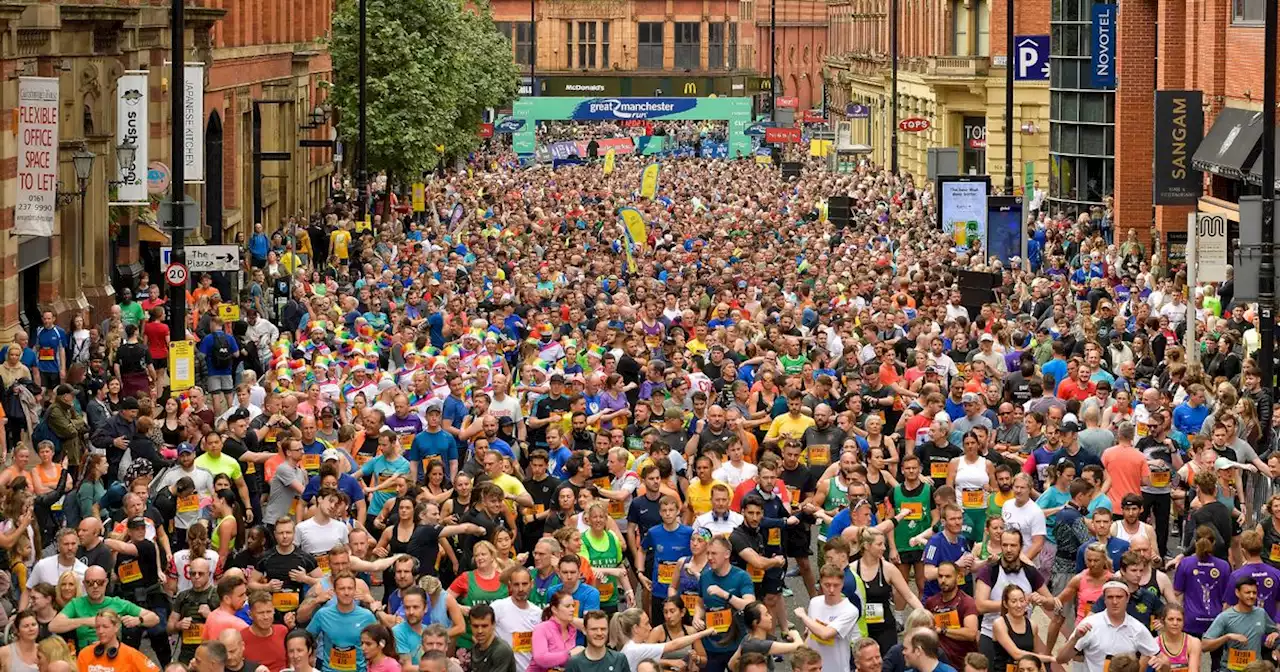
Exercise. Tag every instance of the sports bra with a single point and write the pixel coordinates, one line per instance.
(1178, 661)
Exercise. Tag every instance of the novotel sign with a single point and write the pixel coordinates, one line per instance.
(1102, 63)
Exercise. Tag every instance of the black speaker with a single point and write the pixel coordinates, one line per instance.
(840, 210)
(978, 280)
(790, 169)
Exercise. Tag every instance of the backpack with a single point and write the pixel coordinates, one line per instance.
(43, 432)
(220, 356)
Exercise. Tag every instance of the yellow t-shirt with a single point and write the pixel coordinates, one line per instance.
(700, 495)
(338, 242)
(785, 425)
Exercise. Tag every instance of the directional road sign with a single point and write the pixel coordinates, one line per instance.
(208, 258)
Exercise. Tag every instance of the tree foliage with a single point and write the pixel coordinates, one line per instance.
(433, 66)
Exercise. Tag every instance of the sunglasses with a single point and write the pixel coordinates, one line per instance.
(95, 582)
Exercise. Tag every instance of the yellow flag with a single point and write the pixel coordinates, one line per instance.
(649, 182)
(609, 159)
(636, 226)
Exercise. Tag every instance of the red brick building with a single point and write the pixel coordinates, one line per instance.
(801, 36)
(253, 50)
(1214, 46)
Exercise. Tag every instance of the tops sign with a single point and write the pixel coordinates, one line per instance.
(631, 108)
(913, 125)
(1102, 65)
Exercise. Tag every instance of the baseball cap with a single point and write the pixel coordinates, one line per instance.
(185, 447)
(435, 405)
(673, 414)
(986, 337)
(557, 378)
(238, 414)
(1225, 463)
(331, 454)
(1069, 424)
(327, 411)
(129, 404)
(970, 398)
(137, 521)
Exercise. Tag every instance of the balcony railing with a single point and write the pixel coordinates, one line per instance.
(958, 66)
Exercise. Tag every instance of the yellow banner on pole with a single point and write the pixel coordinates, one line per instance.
(610, 158)
(636, 227)
(819, 147)
(419, 197)
(649, 182)
(182, 365)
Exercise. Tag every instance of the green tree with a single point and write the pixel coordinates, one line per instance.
(433, 66)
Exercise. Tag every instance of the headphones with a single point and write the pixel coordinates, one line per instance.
(110, 651)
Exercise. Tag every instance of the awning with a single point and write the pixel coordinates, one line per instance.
(150, 234)
(1231, 147)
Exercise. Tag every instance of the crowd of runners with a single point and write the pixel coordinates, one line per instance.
(513, 433)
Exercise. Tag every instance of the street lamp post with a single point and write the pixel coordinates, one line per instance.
(362, 176)
(82, 160)
(893, 58)
(1009, 58)
(1267, 281)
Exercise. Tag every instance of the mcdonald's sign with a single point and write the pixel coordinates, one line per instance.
(764, 84)
(690, 88)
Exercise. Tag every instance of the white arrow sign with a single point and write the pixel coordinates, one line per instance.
(207, 258)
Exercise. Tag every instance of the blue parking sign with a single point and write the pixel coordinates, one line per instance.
(1031, 58)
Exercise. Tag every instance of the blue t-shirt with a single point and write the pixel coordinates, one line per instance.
(206, 348)
(49, 345)
(940, 550)
(1115, 549)
(738, 584)
(339, 632)
(1052, 498)
(435, 329)
(557, 459)
(455, 410)
(408, 642)
(1057, 368)
(347, 484)
(1187, 419)
(383, 468)
(428, 444)
(665, 546)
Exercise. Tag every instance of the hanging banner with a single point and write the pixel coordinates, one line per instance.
(649, 181)
(1179, 129)
(1102, 47)
(419, 197)
(610, 158)
(132, 128)
(635, 225)
(37, 156)
(193, 123)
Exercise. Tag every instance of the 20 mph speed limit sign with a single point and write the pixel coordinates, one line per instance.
(176, 274)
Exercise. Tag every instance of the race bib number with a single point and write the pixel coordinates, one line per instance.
(1142, 429)
(915, 510)
(793, 494)
(322, 561)
(974, 499)
(719, 620)
(1237, 659)
(189, 504)
(875, 613)
(938, 470)
(602, 482)
(343, 659)
(691, 602)
(820, 455)
(947, 619)
(129, 572)
(311, 462)
(251, 468)
(522, 642)
(285, 600)
(1159, 479)
(606, 591)
(617, 509)
(194, 635)
(824, 642)
(46, 354)
(666, 573)
(756, 574)
(775, 537)
(1275, 552)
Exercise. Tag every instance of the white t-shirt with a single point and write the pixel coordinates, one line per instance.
(842, 616)
(181, 566)
(1105, 640)
(638, 653)
(735, 476)
(510, 620)
(316, 539)
(508, 408)
(717, 525)
(47, 570)
(1028, 519)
